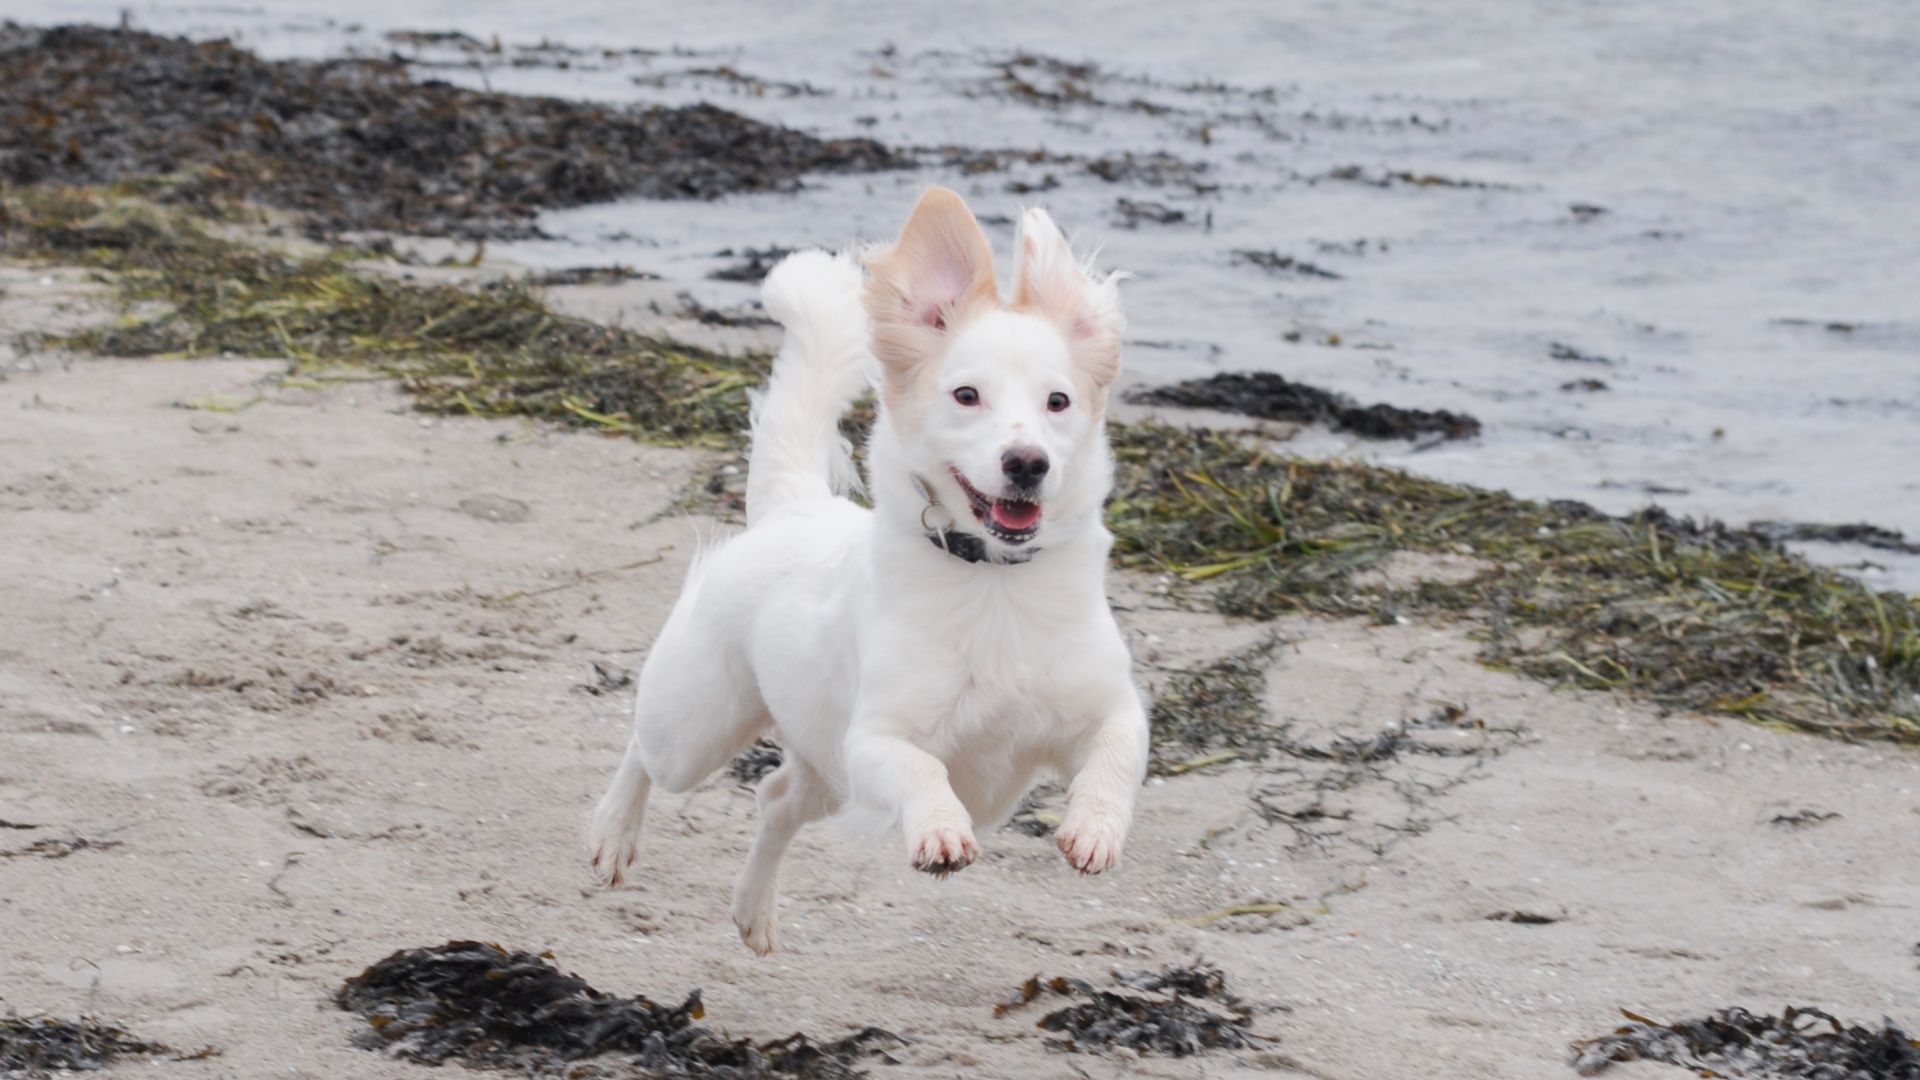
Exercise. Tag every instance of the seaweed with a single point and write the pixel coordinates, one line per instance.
(1047, 81)
(591, 275)
(1404, 177)
(753, 265)
(493, 350)
(1267, 396)
(738, 81)
(1132, 212)
(1136, 1017)
(359, 144)
(1158, 169)
(1799, 1044)
(1031, 817)
(752, 315)
(1213, 714)
(752, 765)
(55, 847)
(1304, 789)
(39, 1047)
(1273, 262)
(1218, 713)
(1691, 615)
(1524, 918)
(1560, 350)
(485, 1007)
(1873, 536)
(1803, 818)
(606, 680)
(1831, 326)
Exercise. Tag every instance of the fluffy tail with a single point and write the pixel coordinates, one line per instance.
(798, 451)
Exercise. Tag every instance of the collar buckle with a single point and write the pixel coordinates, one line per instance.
(963, 546)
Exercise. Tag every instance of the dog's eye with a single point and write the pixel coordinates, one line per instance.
(967, 395)
(1057, 402)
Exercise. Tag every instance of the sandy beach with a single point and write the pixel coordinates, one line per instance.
(291, 678)
(370, 375)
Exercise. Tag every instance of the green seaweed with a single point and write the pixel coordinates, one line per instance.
(493, 350)
(1689, 615)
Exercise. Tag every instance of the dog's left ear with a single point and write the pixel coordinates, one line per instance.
(1051, 283)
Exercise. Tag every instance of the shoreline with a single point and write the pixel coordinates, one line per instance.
(1690, 615)
(1092, 133)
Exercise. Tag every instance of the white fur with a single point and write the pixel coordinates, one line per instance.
(898, 679)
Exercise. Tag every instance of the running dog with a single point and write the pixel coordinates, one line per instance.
(926, 660)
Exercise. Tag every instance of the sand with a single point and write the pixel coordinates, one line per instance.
(317, 680)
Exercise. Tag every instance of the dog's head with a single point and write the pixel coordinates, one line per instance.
(997, 407)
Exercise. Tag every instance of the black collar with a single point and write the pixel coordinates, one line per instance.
(963, 546)
(970, 548)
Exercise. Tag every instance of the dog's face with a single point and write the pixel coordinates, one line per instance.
(998, 408)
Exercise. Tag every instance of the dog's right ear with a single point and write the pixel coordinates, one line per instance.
(939, 274)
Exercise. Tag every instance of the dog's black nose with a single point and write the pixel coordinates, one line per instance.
(1026, 466)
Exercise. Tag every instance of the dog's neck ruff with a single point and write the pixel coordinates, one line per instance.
(963, 546)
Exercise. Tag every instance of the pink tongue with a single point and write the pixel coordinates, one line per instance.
(1015, 516)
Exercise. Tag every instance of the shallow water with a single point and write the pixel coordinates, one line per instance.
(1743, 273)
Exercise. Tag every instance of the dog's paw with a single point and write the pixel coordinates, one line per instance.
(613, 854)
(941, 847)
(1091, 841)
(755, 919)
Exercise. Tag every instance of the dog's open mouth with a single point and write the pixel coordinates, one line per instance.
(1012, 520)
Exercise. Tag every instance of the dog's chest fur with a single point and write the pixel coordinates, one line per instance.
(1014, 648)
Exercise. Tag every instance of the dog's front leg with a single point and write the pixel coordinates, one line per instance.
(891, 772)
(1112, 762)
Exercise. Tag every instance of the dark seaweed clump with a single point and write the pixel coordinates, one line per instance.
(1266, 396)
(751, 765)
(485, 1007)
(592, 275)
(1873, 536)
(358, 144)
(1160, 1013)
(1275, 263)
(39, 1047)
(1032, 817)
(1799, 1044)
(1129, 213)
(753, 264)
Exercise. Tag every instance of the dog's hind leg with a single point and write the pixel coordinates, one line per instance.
(615, 835)
(694, 710)
(790, 796)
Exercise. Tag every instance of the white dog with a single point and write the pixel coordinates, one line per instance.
(927, 658)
